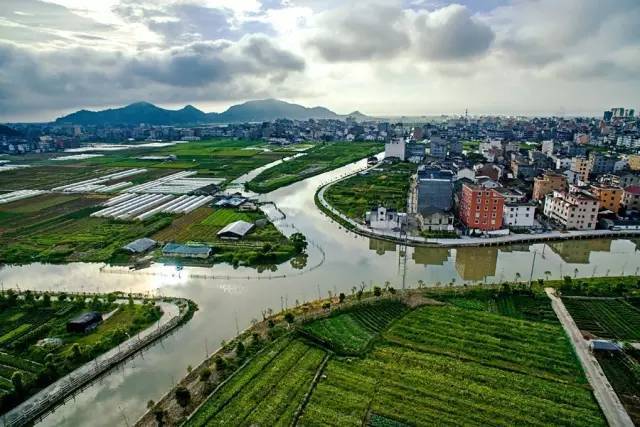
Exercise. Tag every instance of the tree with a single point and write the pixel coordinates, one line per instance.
(518, 277)
(159, 415)
(150, 404)
(46, 300)
(221, 364)
(266, 248)
(299, 242)
(420, 284)
(28, 297)
(575, 272)
(183, 396)
(240, 350)
(547, 274)
(289, 317)
(205, 374)
(341, 297)
(76, 353)
(16, 380)
(377, 291)
(62, 297)
(12, 298)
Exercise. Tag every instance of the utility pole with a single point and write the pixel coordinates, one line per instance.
(532, 266)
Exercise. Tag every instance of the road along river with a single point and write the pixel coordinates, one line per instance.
(229, 305)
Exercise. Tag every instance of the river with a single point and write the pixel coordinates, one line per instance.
(341, 260)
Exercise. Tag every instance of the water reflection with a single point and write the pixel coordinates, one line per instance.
(476, 264)
(430, 256)
(579, 251)
(381, 246)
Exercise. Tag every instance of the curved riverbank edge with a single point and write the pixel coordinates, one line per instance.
(408, 240)
(42, 403)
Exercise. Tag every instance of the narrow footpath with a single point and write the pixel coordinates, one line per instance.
(607, 398)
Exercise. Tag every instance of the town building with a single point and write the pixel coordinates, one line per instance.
(634, 162)
(572, 210)
(481, 208)
(582, 167)
(140, 245)
(432, 219)
(610, 197)
(511, 195)
(519, 215)
(631, 198)
(395, 148)
(433, 189)
(438, 147)
(384, 218)
(548, 183)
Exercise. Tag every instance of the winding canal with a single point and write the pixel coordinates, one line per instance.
(341, 260)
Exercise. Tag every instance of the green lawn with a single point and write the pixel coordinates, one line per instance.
(321, 158)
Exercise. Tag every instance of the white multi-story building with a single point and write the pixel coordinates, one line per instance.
(573, 211)
(385, 219)
(397, 147)
(518, 214)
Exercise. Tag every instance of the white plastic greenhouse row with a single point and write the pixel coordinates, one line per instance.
(115, 187)
(143, 206)
(19, 195)
(160, 181)
(177, 183)
(96, 183)
(183, 204)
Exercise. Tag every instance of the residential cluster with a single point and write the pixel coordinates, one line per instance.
(582, 175)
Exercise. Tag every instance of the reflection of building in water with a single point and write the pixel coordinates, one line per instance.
(381, 246)
(430, 256)
(578, 251)
(516, 247)
(637, 243)
(476, 263)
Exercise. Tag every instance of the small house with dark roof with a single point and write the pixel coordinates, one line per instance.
(85, 322)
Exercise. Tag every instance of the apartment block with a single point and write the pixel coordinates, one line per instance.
(548, 183)
(610, 197)
(573, 211)
(481, 208)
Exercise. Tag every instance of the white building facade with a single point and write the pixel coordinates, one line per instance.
(518, 215)
(573, 211)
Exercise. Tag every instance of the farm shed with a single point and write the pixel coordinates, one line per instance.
(236, 230)
(140, 245)
(186, 251)
(85, 322)
(603, 345)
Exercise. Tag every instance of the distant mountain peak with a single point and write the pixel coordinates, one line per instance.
(259, 110)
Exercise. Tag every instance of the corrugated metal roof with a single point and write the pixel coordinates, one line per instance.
(238, 228)
(186, 249)
(140, 245)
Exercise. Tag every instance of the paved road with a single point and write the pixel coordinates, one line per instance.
(611, 406)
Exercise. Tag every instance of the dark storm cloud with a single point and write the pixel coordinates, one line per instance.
(80, 76)
(452, 34)
(361, 32)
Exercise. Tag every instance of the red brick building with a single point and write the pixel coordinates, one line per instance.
(481, 208)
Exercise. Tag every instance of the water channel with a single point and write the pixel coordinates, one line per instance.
(230, 298)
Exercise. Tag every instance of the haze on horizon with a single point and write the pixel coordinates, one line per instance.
(384, 58)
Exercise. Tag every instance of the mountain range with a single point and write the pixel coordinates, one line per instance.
(251, 111)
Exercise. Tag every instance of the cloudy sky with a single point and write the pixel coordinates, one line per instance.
(413, 57)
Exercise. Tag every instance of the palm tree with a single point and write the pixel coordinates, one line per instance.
(575, 272)
(420, 284)
(518, 277)
(547, 274)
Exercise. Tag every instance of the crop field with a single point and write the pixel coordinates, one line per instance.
(387, 185)
(459, 367)
(605, 318)
(351, 332)
(47, 177)
(267, 391)
(220, 158)
(534, 307)
(623, 372)
(319, 159)
(23, 322)
(203, 224)
(65, 232)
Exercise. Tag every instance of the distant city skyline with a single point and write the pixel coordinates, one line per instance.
(391, 58)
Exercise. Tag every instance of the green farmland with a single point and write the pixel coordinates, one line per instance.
(265, 245)
(386, 185)
(321, 158)
(28, 364)
(605, 318)
(220, 158)
(460, 363)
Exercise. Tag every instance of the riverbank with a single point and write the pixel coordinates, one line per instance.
(175, 312)
(308, 341)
